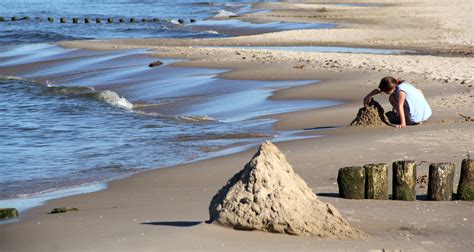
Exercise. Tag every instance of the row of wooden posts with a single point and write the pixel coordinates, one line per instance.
(93, 20)
(371, 181)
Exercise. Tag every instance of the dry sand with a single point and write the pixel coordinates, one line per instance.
(165, 209)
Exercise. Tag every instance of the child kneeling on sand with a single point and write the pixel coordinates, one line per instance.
(408, 101)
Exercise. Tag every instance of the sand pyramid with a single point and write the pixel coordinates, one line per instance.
(268, 195)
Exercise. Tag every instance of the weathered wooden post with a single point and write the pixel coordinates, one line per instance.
(144, 20)
(404, 180)
(192, 20)
(181, 21)
(8, 213)
(376, 181)
(440, 181)
(122, 20)
(87, 20)
(15, 18)
(156, 20)
(2, 19)
(75, 20)
(466, 182)
(50, 19)
(351, 182)
(110, 20)
(97, 20)
(63, 20)
(132, 20)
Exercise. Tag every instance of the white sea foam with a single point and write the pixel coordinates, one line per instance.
(114, 99)
(233, 5)
(197, 118)
(8, 78)
(224, 13)
(212, 32)
(183, 118)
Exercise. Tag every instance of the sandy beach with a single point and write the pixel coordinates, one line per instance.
(166, 209)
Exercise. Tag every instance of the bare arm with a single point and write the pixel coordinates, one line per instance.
(401, 109)
(369, 96)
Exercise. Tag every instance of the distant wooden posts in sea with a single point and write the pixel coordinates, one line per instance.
(98, 20)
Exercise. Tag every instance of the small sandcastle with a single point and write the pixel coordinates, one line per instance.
(268, 195)
(371, 115)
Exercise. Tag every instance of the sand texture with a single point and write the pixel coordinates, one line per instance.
(165, 209)
(268, 195)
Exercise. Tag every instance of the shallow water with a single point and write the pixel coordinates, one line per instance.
(240, 27)
(78, 118)
(81, 117)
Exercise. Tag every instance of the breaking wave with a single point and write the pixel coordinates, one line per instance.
(224, 13)
(106, 96)
(114, 99)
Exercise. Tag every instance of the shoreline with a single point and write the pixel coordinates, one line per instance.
(186, 189)
(38, 198)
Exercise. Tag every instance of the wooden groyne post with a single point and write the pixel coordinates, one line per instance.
(8, 213)
(351, 182)
(376, 181)
(466, 182)
(440, 181)
(404, 180)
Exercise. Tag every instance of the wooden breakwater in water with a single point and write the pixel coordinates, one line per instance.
(89, 20)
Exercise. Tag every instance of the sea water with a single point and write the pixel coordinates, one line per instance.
(161, 19)
(71, 119)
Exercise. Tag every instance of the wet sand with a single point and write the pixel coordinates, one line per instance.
(165, 209)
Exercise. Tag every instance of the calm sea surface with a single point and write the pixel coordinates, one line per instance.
(70, 118)
(161, 19)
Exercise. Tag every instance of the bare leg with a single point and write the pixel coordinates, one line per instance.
(394, 102)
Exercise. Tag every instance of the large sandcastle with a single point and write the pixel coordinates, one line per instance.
(268, 195)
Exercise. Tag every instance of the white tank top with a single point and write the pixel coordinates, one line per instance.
(418, 108)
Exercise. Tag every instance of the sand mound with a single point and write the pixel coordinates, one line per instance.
(268, 195)
(371, 115)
